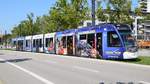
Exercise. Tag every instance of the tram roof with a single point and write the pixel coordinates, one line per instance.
(67, 31)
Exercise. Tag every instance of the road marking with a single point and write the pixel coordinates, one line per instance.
(30, 73)
(86, 69)
(143, 82)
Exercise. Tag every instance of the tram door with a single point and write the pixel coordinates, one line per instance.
(70, 45)
(99, 43)
(20, 45)
(38, 44)
(91, 40)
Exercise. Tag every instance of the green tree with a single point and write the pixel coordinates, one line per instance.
(14, 32)
(147, 17)
(121, 11)
(38, 26)
(65, 14)
(27, 27)
(48, 25)
(68, 14)
(6, 39)
(101, 15)
(138, 12)
(30, 24)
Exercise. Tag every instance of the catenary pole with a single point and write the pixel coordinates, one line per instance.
(93, 13)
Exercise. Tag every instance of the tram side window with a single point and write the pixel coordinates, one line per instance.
(20, 43)
(83, 37)
(64, 43)
(113, 40)
(91, 40)
(14, 43)
(27, 43)
(34, 43)
(49, 42)
(40, 43)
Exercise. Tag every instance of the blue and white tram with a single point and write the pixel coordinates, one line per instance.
(65, 42)
(37, 43)
(117, 41)
(106, 41)
(28, 43)
(14, 43)
(20, 43)
(49, 43)
(86, 42)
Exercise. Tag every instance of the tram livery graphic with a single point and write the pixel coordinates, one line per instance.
(106, 41)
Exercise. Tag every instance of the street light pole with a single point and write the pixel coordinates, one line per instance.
(136, 27)
(5, 39)
(42, 27)
(93, 13)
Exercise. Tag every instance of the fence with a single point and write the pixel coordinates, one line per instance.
(143, 44)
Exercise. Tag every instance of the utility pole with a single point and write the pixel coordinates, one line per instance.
(135, 27)
(42, 27)
(32, 39)
(93, 13)
(5, 39)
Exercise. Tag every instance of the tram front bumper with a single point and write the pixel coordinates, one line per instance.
(130, 55)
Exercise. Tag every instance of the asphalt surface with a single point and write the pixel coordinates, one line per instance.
(37, 68)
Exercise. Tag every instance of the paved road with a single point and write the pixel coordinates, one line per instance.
(36, 68)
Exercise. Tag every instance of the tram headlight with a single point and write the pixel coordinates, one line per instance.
(132, 49)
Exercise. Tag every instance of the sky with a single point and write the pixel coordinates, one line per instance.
(14, 11)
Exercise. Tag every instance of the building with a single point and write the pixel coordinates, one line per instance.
(147, 30)
(89, 23)
(144, 31)
(144, 28)
(145, 6)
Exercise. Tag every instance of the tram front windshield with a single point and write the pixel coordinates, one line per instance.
(128, 39)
